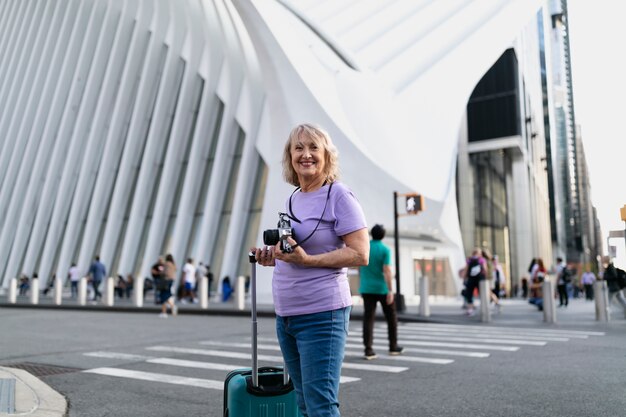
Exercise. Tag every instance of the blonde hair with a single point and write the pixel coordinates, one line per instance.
(321, 139)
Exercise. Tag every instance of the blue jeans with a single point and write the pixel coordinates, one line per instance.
(313, 347)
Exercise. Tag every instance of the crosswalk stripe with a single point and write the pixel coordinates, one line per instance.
(555, 332)
(155, 377)
(117, 355)
(352, 346)
(429, 351)
(404, 358)
(194, 364)
(453, 345)
(210, 352)
(239, 345)
(476, 333)
(469, 339)
(183, 363)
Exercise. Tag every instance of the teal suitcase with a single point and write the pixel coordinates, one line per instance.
(254, 392)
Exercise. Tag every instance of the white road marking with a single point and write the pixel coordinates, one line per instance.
(404, 358)
(477, 333)
(553, 332)
(466, 339)
(430, 351)
(194, 364)
(154, 377)
(279, 359)
(117, 355)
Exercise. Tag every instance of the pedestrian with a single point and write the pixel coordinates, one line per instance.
(165, 289)
(200, 273)
(497, 282)
(227, 289)
(24, 284)
(475, 271)
(536, 284)
(130, 283)
(376, 287)
(562, 279)
(587, 280)
(615, 282)
(120, 286)
(157, 272)
(97, 272)
(310, 284)
(524, 287)
(74, 276)
(189, 281)
(209, 276)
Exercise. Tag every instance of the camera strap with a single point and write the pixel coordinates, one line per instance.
(295, 219)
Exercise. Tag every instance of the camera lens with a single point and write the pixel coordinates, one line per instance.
(270, 237)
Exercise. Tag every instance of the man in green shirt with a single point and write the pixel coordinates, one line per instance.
(376, 287)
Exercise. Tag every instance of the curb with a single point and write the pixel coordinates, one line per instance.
(33, 397)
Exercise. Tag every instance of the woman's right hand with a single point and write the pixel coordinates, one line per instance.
(265, 255)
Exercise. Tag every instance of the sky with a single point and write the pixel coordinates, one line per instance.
(598, 53)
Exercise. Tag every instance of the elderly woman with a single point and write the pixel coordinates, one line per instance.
(310, 285)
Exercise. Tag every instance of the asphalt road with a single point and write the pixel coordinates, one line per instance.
(447, 370)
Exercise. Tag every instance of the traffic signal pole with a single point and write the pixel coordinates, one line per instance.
(400, 306)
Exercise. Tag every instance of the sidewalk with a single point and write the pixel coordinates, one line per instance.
(30, 396)
(35, 398)
(514, 311)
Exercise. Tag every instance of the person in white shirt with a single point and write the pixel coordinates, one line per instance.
(587, 280)
(74, 276)
(189, 279)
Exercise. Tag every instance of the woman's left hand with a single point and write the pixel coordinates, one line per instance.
(298, 256)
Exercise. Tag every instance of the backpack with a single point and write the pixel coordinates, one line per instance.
(621, 278)
(566, 275)
(474, 269)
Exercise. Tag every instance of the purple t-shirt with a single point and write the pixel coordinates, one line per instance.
(301, 289)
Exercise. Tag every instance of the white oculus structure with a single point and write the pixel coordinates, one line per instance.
(132, 128)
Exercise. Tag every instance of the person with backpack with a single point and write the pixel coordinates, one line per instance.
(563, 278)
(616, 281)
(475, 271)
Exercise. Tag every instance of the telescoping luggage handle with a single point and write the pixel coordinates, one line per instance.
(255, 359)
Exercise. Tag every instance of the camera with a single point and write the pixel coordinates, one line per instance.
(280, 234)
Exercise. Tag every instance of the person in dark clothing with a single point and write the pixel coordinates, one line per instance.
(97, 271)
(376, 287)
(561, 282)
(612, 282)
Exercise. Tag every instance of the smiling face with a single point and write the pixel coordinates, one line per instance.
(308, 158)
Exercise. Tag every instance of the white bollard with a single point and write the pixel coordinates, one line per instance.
(58, 291)
(549, 306)
(424, 309)
(82, 291)
(109, 295)
(241, 292)
(484, 290)
(203, 288)
(34, 291)
(13, 291)
(601, 295)
(138, 289)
